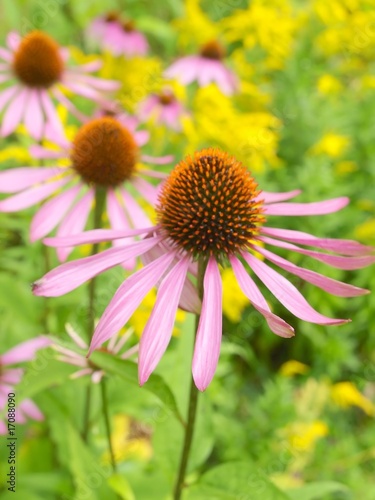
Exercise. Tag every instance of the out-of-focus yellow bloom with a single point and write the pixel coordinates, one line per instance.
(129, 439)
(293, 367)
(303, 435)
(195, 27)
(346, 167)
(140, 317)
(368, 82)
(331, 144)
(17, 153)
(251, 137)
(366, 231)
(328, 84)
(266, 25)
(345, 394)
(234, 301)
(139, 77)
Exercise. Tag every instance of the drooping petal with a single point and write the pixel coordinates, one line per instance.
(69, 106)
(7, 95)
(347, 263)
(252, 292)
(17, 179)
(34, 119)
(53, 119)
(31, 196)
(15, 112)
(30, 409)
(147, 190)
(317, 208)
(135, 212)
(158, 330)
(74, 222)
(42, 153)
(328, 284)
(25, 351)
(52, 212)
(208, 341)
(287, 293)
(127, 298)
(158, 160)
(118, 220)
(189, 300)
(345, 247)
(95, 236)
(5, 55)
(71, 275)
(11, 376)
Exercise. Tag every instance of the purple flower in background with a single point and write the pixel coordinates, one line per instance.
(164, 108)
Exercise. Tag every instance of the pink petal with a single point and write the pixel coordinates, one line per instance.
(158, 330)
(12, 376)
(14, 114)
(42, 153)
(13, 40)
(99, 83)
(208, 341)
(147, 190)
(83, 90)
(252, 292)
(69, 106)
(127, 298)
(6, 55)
(189, 300)
(347, 263)
(346, 247)
(17, 179)
(118, 220)
(4, 77)
(25, 351)
(7, 95)
(51, 213)
(153, 173)
(318, 208)
(329, 285)
(74, 222)
(71, 275)
(135, 212)
(31, 196)
(287, 293)
(275, 197)
(34, 119)
(158, 160)
(52, 116)
(95, 236)
(30, 409)
(89, 67)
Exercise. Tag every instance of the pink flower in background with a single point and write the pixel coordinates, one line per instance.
(118, 37)
(10, 377)
(164, 108)
(86, 367)
(104, 154)
(35, 71)
(205, 68)
(211, 211)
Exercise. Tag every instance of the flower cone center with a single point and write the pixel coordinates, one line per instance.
(37, 61)
(213, 50)
(166, 98)
(104, 152)
(128, 26)
(112, 17)
(208, 205)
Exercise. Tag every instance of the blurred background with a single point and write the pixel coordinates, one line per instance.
(300, 411)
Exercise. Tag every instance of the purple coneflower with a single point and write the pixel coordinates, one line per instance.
(35, 69)
(105, 154)
(10, 377)
(205, 68)
(210, 211)
(117, 36)
(86, 367)
(164, 108)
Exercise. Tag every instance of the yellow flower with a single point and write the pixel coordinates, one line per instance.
(331, 144)
(216, 122)
(17, 153)
(195, 27)
(328, 84)
(234, 301)
(346, 167)
(303, 435)
(129, 439)
(366, 230)
(345, 394)
(293, 367)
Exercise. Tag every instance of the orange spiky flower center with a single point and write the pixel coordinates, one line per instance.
(104, 152)
(166, 97)
(37, 61)
(112, 16)
(208, 205)
(213, 50)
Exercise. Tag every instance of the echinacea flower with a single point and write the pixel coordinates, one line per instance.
(104, 154)
(162, 107)
(117, 36)
(86, 367)
(206, 67)
(10, 377)
(210, 210)
(36, 71)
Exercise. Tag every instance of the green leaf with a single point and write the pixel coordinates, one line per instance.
(235, 481)
(317, 490)
(121, 486)
(129, 372)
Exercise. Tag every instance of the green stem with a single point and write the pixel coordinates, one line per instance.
(193, 402)
(107, 422)
(98, 212)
